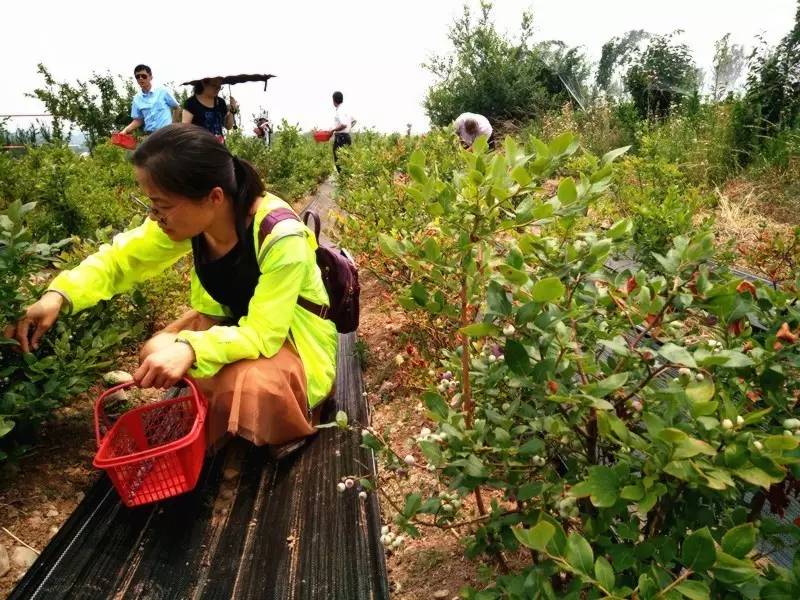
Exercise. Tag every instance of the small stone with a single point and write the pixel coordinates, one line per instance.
(227, 494)
(23, 557)
(52, 513)
(229, 474)
(54, 530)
(386, 386)
(117, 397)
(79, 497)
(439, 594)
(113, 378)
(5, 562)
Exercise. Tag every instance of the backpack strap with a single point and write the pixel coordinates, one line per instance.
(310, 215)
(267, 225)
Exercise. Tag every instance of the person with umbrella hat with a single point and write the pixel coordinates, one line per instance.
(207, 109)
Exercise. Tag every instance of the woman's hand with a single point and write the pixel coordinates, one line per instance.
(39, 317)
(164, 368)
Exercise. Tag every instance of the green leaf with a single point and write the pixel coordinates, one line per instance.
(419, 293)
(561, 143)
(694, 590)
(389, 246)
(612, 155)
(677, 355)
(604, 573)
(621, 229)
(757, 477)
(516, 357)
(479, 330)
(632, 492)
(521, 176)
(341, 419)
(692, 447)
(700, 391)
(732, 570)
(417, 173)
(698, 552)
(537, 537)
(567, 192)
(413, 504)
(603, 486)
(740, 540)
(606, 386)
(548, 289)
(497, 299)
(579, 554)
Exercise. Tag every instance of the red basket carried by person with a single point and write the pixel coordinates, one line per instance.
(155, 451)
(322, 136)
(124, 140)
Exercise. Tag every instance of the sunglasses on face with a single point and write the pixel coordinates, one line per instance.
(141, 75)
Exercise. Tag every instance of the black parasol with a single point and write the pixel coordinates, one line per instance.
(232, 79)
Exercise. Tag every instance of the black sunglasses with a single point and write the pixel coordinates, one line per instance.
(141, 76)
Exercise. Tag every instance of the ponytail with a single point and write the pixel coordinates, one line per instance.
(248, 187)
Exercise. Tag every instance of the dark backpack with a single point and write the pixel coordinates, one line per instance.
(339, 274)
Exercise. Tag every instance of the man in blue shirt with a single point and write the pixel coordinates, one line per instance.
(152, 107)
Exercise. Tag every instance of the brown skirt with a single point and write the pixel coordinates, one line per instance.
(262, 400)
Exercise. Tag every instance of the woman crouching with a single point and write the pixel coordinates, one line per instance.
(263, 361)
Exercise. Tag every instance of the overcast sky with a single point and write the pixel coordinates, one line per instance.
(371, 50)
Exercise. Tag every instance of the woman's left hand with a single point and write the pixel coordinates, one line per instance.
(164, 368)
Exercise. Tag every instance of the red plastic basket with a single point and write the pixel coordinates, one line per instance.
(155, 451)
(124, 140)
(322, 136)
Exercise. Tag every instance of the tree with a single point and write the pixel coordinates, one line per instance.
(500, 78)
(617, 53)
(771, 103)
(661, 76)
(97, 107)
(729, 60)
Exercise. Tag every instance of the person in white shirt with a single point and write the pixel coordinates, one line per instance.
(343, 123)
(471, 125)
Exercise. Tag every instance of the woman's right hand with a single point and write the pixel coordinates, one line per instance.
(39, 317)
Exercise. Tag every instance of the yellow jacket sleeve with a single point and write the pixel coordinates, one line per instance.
(132, 256)
(270, 312)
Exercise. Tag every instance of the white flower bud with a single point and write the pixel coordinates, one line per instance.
(384, 530)
(791, 424)
(453, 384)
(739, 420)
(508, 330)
(362, 494)
(430, 468)
(505, 406)
(758, 445)
(501, 358)
(409, 460)
(787, 432)
(727, 424)
(492, 358)
(349, 483)
(684, 371)
(699, 377)
(341, 487)
(399, 360)
(425, 432)
(447, 507)
(364, 433)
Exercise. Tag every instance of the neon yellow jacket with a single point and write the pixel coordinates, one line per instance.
(288, 269)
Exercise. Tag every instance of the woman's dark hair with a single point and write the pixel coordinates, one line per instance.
(188, 160)
(198, 87)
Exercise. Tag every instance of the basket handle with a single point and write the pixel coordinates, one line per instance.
(102, 423)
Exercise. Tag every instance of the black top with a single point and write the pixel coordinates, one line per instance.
(230, 279)
(212, 119)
